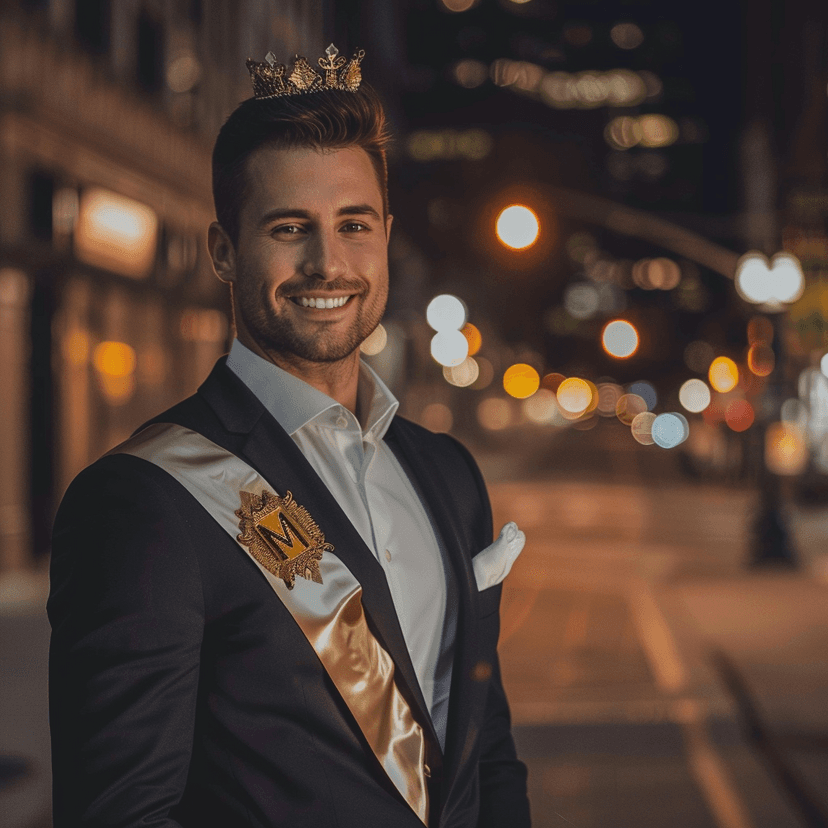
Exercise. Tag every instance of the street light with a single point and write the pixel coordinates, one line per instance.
(772, 285)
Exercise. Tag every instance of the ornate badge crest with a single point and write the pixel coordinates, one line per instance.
(282, 536)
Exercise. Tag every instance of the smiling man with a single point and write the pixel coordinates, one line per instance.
(276, 604)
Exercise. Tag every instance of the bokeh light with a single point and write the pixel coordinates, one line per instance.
(669, 430)
(723, 374)
(115, 359)
(464, 374)
(449, 348)
(437, 417)
(486, 374)
(542, 408)
(470, 73)
(620, 339)
(608, 395)
(552, 381)
(739, 415)
(581, 300)
(786, 451)
(494, 413)
(657, 130)
(574, 395)
(459, 5)
(627, 35)
(775, 282)
(446, 313)
(517, 227)
(629, 406)
(473, 337)
(761, 359)
(694, 395)
(521, 381)
(641, 427)
(375, 341)
(646, 390)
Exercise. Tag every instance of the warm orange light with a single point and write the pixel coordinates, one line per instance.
(723, 374)
(521, 381)
(761, 359)
(116, 233)
(115, 359)
(552, 381)
(574, 395)
(620, 339)
(786, 451)
(473, 337)
(517, 227)
(739, 415)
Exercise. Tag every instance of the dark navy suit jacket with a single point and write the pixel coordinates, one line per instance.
(182, 693)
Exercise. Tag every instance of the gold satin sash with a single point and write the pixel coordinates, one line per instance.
(330, 614)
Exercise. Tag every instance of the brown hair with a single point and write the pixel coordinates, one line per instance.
(331, 119)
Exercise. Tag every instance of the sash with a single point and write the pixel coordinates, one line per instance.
(316, 587)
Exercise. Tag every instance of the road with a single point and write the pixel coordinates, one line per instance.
(618, 710)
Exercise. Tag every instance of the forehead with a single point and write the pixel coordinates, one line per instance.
(311, 179)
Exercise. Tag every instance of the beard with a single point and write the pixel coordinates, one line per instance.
(274, 326)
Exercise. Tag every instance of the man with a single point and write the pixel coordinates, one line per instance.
(277, 603)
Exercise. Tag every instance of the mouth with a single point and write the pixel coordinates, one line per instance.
(321, 301)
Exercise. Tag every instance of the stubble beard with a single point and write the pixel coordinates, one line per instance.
(280, 332)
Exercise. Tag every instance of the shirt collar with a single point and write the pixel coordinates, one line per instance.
(294, 403)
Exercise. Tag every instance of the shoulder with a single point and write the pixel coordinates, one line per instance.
(443, 449)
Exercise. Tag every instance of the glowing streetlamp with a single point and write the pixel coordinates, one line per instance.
(517, 227)
(771, 284)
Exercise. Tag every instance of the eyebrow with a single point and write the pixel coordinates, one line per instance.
(348, 210)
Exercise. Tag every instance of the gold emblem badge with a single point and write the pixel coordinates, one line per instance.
(282, 536)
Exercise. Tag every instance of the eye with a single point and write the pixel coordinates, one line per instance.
(355, 227)
(288, 230)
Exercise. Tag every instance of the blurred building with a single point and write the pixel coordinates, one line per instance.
(110, 310)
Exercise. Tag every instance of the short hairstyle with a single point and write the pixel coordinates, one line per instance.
(330, 119)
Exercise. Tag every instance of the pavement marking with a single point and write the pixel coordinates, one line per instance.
(707, 766)
(659, 644)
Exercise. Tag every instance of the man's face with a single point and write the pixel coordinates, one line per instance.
(310, 269)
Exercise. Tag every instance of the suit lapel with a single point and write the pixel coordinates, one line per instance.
(438, 498)
(264, 444)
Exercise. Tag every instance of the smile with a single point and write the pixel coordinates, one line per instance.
(320, 302)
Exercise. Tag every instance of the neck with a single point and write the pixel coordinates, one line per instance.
(339, 380)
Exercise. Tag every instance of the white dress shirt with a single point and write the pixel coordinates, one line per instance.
(375, 493)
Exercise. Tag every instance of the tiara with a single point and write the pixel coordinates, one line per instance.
(271, 78)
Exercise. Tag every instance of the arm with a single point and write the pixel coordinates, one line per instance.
(503, 795)
(127, 615)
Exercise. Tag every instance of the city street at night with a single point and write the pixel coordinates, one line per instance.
(267, 266)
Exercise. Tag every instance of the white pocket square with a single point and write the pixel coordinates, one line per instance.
(492, 565)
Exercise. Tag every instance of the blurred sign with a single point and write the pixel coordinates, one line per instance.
(116, 233)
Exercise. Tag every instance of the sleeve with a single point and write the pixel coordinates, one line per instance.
(503, 791)
(127, 613)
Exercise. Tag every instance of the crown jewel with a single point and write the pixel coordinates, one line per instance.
(271, 79)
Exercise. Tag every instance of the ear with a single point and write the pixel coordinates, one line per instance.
(222, 253)
(389, 220)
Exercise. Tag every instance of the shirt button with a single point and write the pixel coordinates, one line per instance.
(387, 555)
(341, 421)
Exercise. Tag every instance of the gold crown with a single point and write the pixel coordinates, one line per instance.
(271, 80)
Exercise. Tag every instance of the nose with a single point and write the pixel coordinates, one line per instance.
(323, 256)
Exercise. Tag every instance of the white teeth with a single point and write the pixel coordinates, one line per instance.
(312, 302)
